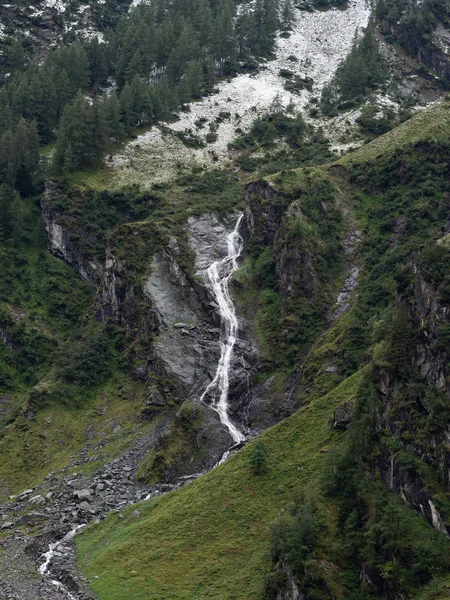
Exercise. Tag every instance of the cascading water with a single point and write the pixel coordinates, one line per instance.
(219, 274)
(48, 556)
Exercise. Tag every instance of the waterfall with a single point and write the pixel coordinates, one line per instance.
(219, 274)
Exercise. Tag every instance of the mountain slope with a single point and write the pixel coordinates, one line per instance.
(375, 489)
(210, 539)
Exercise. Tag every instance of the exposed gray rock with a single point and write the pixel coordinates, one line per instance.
(342, 416)
(83, 494)
(180, 303)
(208, 239)
(60, 240)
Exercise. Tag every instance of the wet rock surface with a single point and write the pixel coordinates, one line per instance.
(44, 515)
(184, 316)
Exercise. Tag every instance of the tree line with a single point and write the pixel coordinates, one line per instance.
(412, 16)
(157, 57)
(361, 71)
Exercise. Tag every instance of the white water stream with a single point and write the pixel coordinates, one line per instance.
(48, 556)
(219, 274)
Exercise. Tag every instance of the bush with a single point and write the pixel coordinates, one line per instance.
(90, 358)
(258, 458)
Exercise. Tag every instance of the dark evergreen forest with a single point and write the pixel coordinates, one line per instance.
(88, 94)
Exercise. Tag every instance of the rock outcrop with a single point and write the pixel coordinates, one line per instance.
(429, 360)
(61, 231)
(174, 307)
(433, 51)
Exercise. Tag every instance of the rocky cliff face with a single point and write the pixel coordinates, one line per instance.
(427, 314)
(264, 211)
(61, 231)
(175, 308)
(433, 51)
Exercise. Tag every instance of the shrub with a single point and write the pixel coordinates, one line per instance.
(258, 458)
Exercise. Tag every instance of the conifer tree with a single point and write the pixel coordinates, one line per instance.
(16, 56)
(97, 64)
(184, 90)
(127, 108)
(75, 136)
(5, 110)
(194, 77)
(287, 15)
(7, 159)
(6, 212)
(111, 111)
(224, 35)
(96, 141)
(25, 151)
(44, 109)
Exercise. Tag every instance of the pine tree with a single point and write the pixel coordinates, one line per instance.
(27, 156)
(45, 105)
(224, 35)
(75, 133)
(287, 15)
(142, 111)
(97, 64)
(6, 212)
(69, 163)
(258, 458)
(78, 71)
(7, 158)
(16, 56)
(194, 77)
(203, 22)
(62, 89)
(209, 75)
(127, 108)
(5, 110)
(111, 111)
(95, 144)
(184, 90)
(166, 99)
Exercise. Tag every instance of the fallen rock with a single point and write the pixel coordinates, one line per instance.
(342, 416)
(83, 494)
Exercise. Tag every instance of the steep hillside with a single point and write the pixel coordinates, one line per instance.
(224, 301)
(373, 394)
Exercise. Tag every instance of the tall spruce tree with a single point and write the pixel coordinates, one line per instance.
(80, 137)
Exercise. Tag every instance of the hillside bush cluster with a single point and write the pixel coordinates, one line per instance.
(302, 145)
(376, 532)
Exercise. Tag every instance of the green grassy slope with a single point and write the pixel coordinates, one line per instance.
(209, 539)
(429, 124)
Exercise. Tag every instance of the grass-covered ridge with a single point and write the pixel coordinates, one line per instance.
(209, 539)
